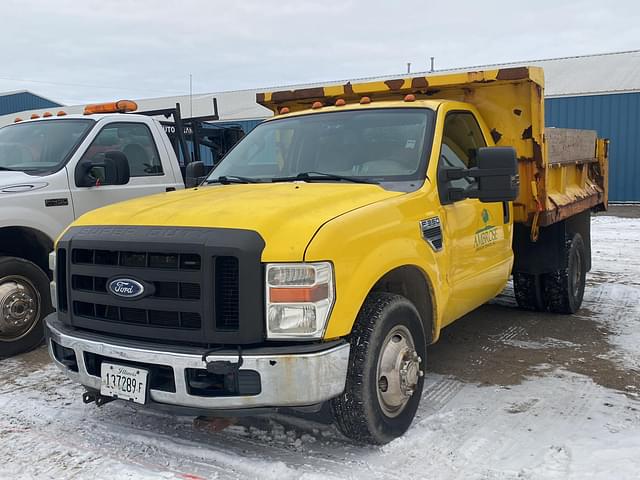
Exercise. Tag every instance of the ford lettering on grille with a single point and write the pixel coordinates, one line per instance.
(126, 288)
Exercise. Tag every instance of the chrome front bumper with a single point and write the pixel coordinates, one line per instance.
(287, 380)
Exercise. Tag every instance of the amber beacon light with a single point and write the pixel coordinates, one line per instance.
(120, 106)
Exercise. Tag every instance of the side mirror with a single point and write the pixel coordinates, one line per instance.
(194, 174)
(496, 174)
(113, 169)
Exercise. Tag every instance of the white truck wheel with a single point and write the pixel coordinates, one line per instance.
(24, 302)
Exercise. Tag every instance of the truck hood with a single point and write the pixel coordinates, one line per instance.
(17, 182)
(286, 215)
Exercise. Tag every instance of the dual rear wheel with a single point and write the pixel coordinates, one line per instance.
(559, 291)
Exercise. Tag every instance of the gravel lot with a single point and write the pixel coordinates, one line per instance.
(510, 394)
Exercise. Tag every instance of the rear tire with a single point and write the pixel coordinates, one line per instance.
(528, 291)
(24, 302)
(385, 377)
(564, 288)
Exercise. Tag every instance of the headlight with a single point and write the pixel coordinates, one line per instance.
(52, 285)
(299, 299)
(52, 261)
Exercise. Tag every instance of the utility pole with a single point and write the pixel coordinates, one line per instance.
(408, 67)
(432, 64)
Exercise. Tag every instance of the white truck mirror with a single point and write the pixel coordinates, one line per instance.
(113, 169)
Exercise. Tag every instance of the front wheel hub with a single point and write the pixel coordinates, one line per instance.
(19, 307)
(398, 371)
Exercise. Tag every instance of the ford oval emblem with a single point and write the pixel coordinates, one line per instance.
(126, 288)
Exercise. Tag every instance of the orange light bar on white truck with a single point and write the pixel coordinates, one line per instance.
(120, 106)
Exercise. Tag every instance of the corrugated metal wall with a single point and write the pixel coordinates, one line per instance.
(614, 116)
(18, 102)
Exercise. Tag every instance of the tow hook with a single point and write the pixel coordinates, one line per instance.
(99, 400)
(230, 371)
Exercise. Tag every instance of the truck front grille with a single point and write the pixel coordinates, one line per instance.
(195, 292)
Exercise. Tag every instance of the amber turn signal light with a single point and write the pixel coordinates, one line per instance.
(298, 295)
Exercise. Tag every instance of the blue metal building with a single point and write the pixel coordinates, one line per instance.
(11, 102)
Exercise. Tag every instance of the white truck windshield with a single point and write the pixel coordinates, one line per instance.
(42, 146)
(379, 145)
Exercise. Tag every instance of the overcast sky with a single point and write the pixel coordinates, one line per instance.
(87, 50)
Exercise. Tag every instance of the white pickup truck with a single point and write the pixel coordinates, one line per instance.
(54, 169)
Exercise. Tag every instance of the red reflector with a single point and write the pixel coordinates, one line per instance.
(298, 295)
(340, 102)
(284, 110)
(317, 105)
(410, 97)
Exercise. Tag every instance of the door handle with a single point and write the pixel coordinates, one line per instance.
(505, 212)
(170, 189)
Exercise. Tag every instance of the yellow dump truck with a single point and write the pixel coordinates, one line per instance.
(328, 249)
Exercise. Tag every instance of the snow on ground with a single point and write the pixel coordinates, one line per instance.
(616, 262)
(511, 395)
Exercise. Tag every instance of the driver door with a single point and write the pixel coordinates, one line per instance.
(479, 234)
(147, 174)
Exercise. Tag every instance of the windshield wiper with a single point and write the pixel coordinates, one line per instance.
(7, 169)
(311, 176)
(227, 179)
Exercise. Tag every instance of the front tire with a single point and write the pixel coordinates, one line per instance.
(24, 302)
(385, 377)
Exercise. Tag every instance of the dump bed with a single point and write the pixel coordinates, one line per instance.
(562, 171)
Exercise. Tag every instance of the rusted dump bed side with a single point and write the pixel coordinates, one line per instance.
(512, 104)
(576, 175)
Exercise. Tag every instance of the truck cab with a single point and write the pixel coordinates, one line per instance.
(53, 170)
(327, 250)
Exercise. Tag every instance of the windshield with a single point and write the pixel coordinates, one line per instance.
(380, 145)
(40, 147)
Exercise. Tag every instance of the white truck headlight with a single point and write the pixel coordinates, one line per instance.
(52, 261)
(299, 299)
(52, 285)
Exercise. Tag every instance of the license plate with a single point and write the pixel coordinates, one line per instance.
(126, 383)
